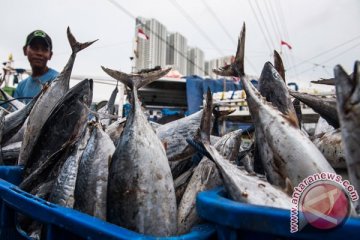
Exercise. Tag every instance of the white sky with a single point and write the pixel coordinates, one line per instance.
(312, 28)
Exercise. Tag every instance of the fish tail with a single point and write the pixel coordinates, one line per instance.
(205, 125)
(75, 45)
(136, 81)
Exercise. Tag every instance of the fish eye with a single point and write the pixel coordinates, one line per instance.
(85, 98)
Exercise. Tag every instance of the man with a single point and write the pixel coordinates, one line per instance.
(38, 49)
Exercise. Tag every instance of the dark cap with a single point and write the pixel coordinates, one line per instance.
(39, 34)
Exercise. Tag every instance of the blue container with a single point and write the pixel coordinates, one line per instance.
(236, 220)
(60, 222)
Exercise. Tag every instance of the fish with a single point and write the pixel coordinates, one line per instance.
(92, 177)
(229, 145)
(322, 126)
(205, 177)
(181, 182)
(140, 185)
(108, 109)
(218, 115)
(14, 103)
(325, 107)
(62, 128)
(272, 87)
(10, 153)
(173, 135)
(348, 108)
(328, 81)
(292, 148)
(115, 129)
(241, 186)
(15, 120)
(331, 146)
(63, 191)
(48, 99)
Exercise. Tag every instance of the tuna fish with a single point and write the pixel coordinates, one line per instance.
(173, 135)
(141, 195)
(273, 88)
(331, 146)
(62, 128)
(205, 177)
(240, 185)
(109, 109)
(64, 187)
(92, 179)
(326, 107)
(14, 121)
(48, 99)
(348, 108)
(322, 126)
(292, 148)
(115, 129)
(14, 103)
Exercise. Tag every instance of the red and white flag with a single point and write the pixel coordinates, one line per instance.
(286, 44)
(142, 35)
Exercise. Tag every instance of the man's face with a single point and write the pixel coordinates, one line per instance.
(38, 53)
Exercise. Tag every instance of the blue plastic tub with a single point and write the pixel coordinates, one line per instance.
(60, 222)
(236, 220)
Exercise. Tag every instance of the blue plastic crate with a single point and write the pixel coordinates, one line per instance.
(236, 220)
(64, 223)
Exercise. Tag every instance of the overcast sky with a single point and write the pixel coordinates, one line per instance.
(322, 33)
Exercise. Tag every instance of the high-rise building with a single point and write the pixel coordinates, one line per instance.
(151, 51)
(196, 64)
(176, 53)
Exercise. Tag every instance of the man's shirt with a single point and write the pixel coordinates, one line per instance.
(30, 87)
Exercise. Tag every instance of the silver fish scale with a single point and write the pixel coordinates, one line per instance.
(292, 148)
(247, 188)
(91, 186)
(173, 135)
(64, 187)
(205, 177)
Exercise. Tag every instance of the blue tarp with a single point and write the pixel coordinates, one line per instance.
(197, 86)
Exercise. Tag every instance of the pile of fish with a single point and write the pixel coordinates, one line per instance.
(145, 176)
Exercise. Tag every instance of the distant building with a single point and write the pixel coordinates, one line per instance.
(150, 52)
(196, 65)
(176, 52)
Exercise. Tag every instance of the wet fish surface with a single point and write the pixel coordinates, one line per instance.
(140, 186)
(348, 108)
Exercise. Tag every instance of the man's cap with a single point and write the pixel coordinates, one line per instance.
(39, 34)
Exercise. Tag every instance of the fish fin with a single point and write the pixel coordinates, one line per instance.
(289, 188)
(235, 69)
(355, 97)
(75, 45)
(344, 86)
(218, 114)
(278, 64)
(136, 80)
(199, 147)
(292, 119)
(203, 133)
